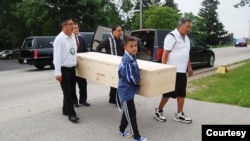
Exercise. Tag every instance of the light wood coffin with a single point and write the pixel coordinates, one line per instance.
(156, 78)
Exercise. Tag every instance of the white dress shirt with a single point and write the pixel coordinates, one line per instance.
(64, 52)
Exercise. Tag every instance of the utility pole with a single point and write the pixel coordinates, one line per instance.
(249, 31)
(140, 14)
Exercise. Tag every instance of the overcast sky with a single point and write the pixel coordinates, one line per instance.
(235, 20)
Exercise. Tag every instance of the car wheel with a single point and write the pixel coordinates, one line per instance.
(39, 67)
(211, 61)
(52, 66)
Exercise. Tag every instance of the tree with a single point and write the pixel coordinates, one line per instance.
(198, 25)
(157, 17)
(111, 14)
(126, 7)
(146, 4)
(213, 28)
(242, 3)
(43, 17)
(9, 25)
(22, 18)
(170, 3)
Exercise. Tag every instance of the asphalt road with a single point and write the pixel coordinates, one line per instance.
(6, 65)
(11, 65)
(31, 100)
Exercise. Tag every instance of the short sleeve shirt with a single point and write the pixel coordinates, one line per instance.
(180, 47)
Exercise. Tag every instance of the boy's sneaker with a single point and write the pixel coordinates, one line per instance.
(182, 118)
(159, 115)
(141, 139)
(125, 134)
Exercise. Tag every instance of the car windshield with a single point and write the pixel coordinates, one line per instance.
(41, 43)
(240, 40)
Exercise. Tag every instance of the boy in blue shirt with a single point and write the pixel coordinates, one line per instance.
(128, 86)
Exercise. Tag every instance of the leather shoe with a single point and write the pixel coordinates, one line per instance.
(73, 118)
(64, 113)
(112, 101)
(75, 105)
(85, 104)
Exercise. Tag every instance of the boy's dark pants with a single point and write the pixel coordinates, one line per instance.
(129, 118)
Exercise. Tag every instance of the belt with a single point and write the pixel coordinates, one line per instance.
(68, 67)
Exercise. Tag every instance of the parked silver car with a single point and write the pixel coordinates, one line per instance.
(7, 54)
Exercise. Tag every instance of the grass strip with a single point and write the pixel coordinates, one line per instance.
(232, 87)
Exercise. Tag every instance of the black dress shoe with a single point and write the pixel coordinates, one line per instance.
(85, 104)
(64, 113)
(112, 101)
(73, 118)
(75, 105)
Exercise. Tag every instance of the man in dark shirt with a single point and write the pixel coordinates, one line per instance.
(82, 82)
(114, 46)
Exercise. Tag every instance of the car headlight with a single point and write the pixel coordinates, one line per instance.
(4, 55)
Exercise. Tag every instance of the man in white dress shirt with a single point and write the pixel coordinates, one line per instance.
(64, 55)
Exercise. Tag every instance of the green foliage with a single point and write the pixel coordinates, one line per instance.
(126, 6)
(35, 19)
(230, 88)
(157, 17)
(170, 3)
(146, 4)
(22, 18)
(242, 3)
(214, 30)
(10, 26)
(31, 17)
(113, 17)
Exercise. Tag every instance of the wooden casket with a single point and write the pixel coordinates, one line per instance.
(156, 78)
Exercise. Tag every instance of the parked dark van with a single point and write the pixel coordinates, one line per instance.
(37, 51)
(152, 41)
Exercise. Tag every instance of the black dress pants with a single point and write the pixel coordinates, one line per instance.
(68, 85)
(112, 94)
(82, 85)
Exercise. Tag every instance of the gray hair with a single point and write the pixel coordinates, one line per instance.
(183, 20)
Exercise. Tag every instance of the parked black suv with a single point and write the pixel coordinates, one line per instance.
(37, 51)
(152, 41)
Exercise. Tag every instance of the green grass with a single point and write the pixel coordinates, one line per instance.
(232, 87)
